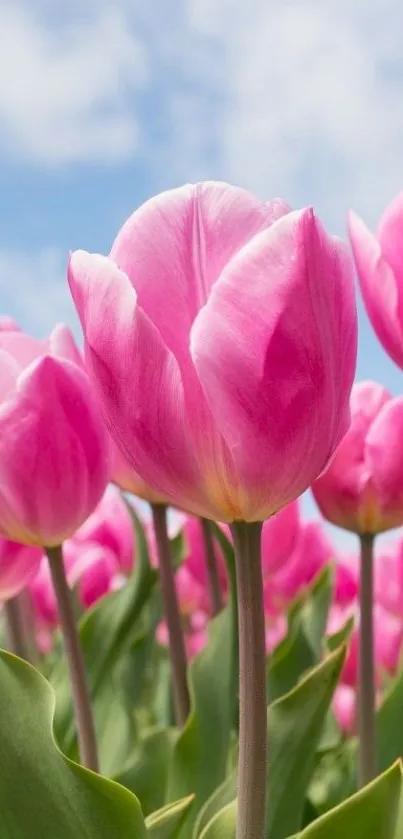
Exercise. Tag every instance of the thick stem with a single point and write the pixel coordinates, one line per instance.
(15, 629)
(177, 651)
(213, 578)
(252, 767)
(366, 683)
(86, 735)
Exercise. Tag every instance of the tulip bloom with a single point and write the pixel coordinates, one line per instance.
(362, 490)
(18, 565)
(279, 538)
(221, 334)
(110, 527)
(8, 324)
(54, 450)
(379, 263)
(344, 708)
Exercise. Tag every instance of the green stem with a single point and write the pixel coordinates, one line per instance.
(252, 767)
(86, 736)
(213, 578)
(366, 680)
(177, 652)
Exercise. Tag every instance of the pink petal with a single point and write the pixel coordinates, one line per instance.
(138, 380)
(111, 528)
(344, 708)
(279, 537)
(8, 324)
(275, 351)
(22, 348)
(379, 288)
(384, 455)
(54, 455)
(18, 565)
(61, 344)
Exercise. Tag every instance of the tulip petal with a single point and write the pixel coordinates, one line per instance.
(54, 457)
(138, 379)
(384, 454)
(378, 287)
(177, 244)
(283, 311)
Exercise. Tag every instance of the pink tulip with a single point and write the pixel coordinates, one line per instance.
(346, 584)
(195, 559)
(221, 335)
(125, 477)
(94, 572)
(345, 708)
(18, 564)
(276, 630)
(312, 552)
(362, 490)
(388, 637)
(8, 324)
(379, 262)
(279, 538)
(389, 579)
(54, 451)
(110, 526)
(43, 597)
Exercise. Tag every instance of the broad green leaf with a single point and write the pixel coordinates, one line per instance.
(294, 728)
(167, 822)
(302, 646)
(106, 631)
(373, 813)
(222, 796)
(42, 793)
(147, 774)
(223, 825)
(200, 757)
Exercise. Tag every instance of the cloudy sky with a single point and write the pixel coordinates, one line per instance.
(103, 104)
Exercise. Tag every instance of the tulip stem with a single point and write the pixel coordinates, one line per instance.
(366, 685)
(213, 578)
(177, 651)
(15, 628)
(86, 736)
(252, 766)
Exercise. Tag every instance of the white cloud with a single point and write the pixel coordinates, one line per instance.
(34, 290)
(67, 86)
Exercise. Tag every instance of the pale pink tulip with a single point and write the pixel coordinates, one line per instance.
(18, 565)
(8, 324)
(345, 708)
(93, 572)
(379, 262)
(362, 490)
(221, 335)
(111, 527)
(388, 637)
(279, 538)
(389, 578)
(54, 450)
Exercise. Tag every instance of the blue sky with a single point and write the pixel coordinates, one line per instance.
(103, 104)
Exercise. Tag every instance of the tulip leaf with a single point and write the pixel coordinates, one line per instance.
(147, 774)
(223, 825)
(167, 822)
(222, 796)
(200, 756)
(42, 793)
(376, 811)
(302, 646)
(106, 631)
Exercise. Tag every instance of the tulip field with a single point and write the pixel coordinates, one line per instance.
(185, 654)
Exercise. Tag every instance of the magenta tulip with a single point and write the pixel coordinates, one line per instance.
(221, 334)
(54, 451)
(279, 538)
(379, 262)
(18, 565)
(362, 490)
(313, 550)
(110, 526)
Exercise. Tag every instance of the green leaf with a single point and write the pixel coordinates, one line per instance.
(373, 813)
(222, 796)
(342, 636)
(294, 728)
(302, 646)
(223, 825)
(201, 753)
(42, 793)
(147, 774)
(294, 725)
(167, 822)
(106, 631)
